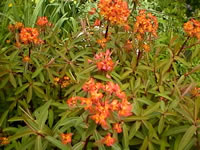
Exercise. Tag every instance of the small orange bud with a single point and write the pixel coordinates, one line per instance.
(26, 59)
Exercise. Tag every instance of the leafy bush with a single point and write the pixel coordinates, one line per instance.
(114, 78)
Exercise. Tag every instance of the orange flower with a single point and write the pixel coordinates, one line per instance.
(4, 141)
(128, 46)
(26, 59)
(92, 11)
(102, 42)
(125, 109)
(104, 61)
(11, 27)
(115, 11)
(42, 21)
(146, 47)
(108, 140)
(30, 35)
(145, 23)
(97, 22)
(19, 25)
(126, 27)
(66, 138)
(195, 92)
(117, 127)
(18, 44)
(102, 101)
(192, 28)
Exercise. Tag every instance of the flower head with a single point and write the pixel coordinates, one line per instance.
(66, 138)
(4, 141)
(30, 35)
(108, 140)
(192, 28)
(115, 11)
(117, 127)
(104, 61)
(42, 21)
(145, 23)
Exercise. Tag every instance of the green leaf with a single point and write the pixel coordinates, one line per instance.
(29, 94)
(38, 143)
(37, 72)
(101, 77)
(26, 132)
(187, 137)
(161, 125)
(12, 80)
(125, 136)
(135, 118)
(43, 114)
(116, 147)
(134, 129)
(57, 143)
(91, 129)
(144, 144)
(78, 146)
(151, 109)
(51, 118)
(21, 89)
(36, 12)
(3, 117)
(175, 130)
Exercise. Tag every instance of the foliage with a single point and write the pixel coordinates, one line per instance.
(55, 71)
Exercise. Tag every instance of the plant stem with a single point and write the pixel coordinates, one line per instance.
(106, 34)
(178, 53)
(86, 143)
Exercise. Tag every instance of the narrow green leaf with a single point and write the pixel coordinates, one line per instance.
(21, 89)
(187, 137)
(151, 109)
(125, 136)
(37, 72)
(12, 80)
(29, 94)
(144, 144)
(38, 143)
(161, 125)
(78, 146)
(43, 114)
(57, 143)
(3, 117)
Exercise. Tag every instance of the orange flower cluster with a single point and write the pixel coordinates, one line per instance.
(145, 23)
(30, 35)
(4, 141)
(104, 62)
(108, 140)
(192, 28)
(64, 81)
(103, 100)
(102, 42)
(66, 138)
(146, 47)
(115, 11)
(16, 26)
(43, 22)
(196, 92)
(128, 45)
